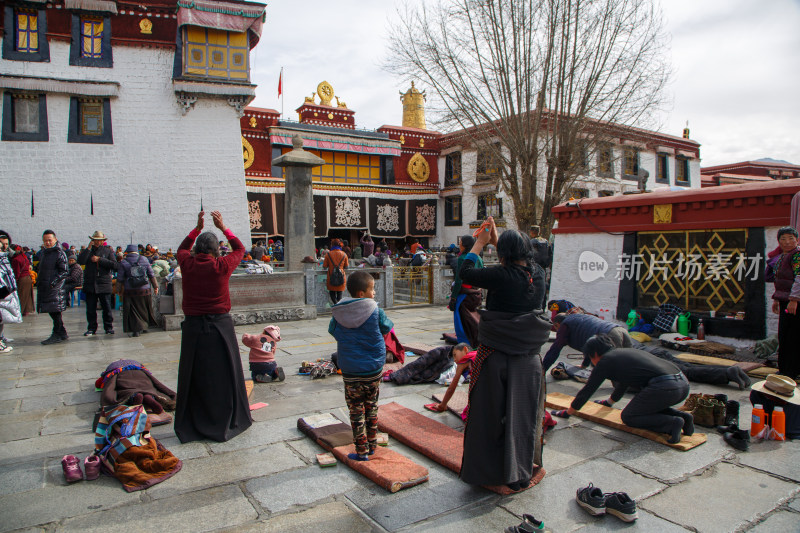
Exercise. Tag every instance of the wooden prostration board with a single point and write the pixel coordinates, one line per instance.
(753, 369)
(611, 417)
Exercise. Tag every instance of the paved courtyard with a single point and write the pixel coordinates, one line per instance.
(266, 479)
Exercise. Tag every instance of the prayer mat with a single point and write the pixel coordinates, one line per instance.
(457, 403)
(762, 372)
(385, 467)
(418, 348)
(611, 417)
(433, 439)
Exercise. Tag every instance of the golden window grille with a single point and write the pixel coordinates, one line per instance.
(699, 270)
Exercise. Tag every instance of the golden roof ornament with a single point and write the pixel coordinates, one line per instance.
(413, 108)
(325, 92)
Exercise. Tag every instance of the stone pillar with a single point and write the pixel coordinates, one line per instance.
(298, 215)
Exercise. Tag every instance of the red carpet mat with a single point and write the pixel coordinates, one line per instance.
(386, 467)
(433, 439)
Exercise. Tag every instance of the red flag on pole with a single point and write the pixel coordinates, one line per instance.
(280, 84)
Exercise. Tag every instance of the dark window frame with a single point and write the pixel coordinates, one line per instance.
(604, 193)
(449, 218)
(488, 162)
(10, 35)
(682, 162)
(605, 156)
(452, 169)
(74, 134)
(627, 151)
(107, 57)
(387, 170)
(662, 163)
(9, 134)
(483, 209)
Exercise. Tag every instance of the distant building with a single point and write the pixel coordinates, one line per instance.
(471, 189)
(121, 116)
(748, 172)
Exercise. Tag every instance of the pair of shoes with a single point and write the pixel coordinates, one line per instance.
(54, 339)
(598, 503)
(89, 333)
(4, 347)
(109, 332)
(72, 468)
(738, 438)
(262, 378)
(709, 412)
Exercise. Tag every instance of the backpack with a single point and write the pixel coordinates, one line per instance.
(137, 276)
(337, 276)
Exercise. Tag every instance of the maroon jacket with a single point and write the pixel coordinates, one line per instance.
(205, 278)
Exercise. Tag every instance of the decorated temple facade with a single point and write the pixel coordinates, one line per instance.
(385, 181)
(123, 116)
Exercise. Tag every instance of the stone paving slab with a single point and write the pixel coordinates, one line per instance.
(664, 463)
(9, 406)
(55, 502)
(782, 458)
(39, 391)
(262, 433)
(553, 500)
(205, 510)
(573, 445)
(334, 517)
(645, 522)
(795, 505)
(288, 490)
(409, 506)
(220, 469)
(487, 517)
(20, 451)
(706, 504)
(22, 477)
(780, 521)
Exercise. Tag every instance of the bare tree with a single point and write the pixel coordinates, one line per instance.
(541, 84)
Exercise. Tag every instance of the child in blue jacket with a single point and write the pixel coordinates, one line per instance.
(358, 325)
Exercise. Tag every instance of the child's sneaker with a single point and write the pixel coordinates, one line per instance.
(71, 468)
(592, 499)
(622, 506)
(92, 467)
(262, 378)
(281, 375)
(5, 348)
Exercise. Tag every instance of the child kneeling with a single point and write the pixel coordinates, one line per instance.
(358, 325)
(263, 368)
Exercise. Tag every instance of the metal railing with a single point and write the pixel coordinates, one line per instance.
(412, 285)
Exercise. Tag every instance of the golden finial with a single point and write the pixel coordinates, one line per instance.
(325, 92)
(413, 108)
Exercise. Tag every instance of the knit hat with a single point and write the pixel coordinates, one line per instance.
(71, 254)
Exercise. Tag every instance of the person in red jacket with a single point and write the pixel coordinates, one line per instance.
(212, 399)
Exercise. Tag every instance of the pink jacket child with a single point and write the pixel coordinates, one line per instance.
(263, 367)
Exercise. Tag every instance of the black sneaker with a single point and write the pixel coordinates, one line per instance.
(89, 333)
(281, 375)
(109, 332)
(739, 439)
(622, 506)
(53, 339)
(591, 498)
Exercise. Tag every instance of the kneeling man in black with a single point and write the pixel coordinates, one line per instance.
(662, 385)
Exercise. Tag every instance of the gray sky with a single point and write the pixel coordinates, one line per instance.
(736, 63)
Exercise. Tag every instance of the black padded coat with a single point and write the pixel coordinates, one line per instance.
(97, 276)
(53, 270)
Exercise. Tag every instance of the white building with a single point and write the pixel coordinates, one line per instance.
(470, 192)
(120, 117)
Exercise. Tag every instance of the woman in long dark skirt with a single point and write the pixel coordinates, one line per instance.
(505, 401)
(212, 399)
(137, 293)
